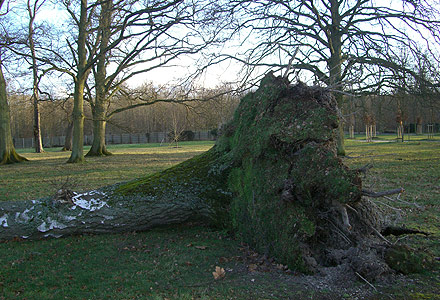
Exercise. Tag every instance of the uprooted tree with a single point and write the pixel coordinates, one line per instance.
(273, 177)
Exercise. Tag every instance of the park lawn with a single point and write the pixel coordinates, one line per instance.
(47, 172)
(177, 262)
(413, 165)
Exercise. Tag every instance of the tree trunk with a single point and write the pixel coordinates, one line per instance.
(78, 121)
(78, 97)
(91, 212)
(273, 178)
(98, 146)
(99, 108)
(68, 140)
(7, 150)
(37, 128)
(35, 94)
(114, 209)
(335, 67)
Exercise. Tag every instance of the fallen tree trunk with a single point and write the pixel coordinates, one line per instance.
(110, 210)
(273, 178)
(91, 213)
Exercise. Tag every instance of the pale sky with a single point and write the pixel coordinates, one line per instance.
(213, 77)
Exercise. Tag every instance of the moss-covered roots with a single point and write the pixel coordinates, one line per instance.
(273, 178)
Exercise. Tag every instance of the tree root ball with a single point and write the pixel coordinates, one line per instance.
(273, 178)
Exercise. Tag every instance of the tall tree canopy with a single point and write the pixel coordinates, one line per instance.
(343, 44)
(138, 37)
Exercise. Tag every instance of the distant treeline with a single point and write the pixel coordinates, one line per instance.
(159, 117)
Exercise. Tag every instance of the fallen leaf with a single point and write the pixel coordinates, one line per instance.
(252, 267)
(219, 273)
(223, 259)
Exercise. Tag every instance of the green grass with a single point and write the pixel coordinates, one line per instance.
(45, 173)
(166, 264)
(413, 165)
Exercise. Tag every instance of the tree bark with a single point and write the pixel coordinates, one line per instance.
(78, 121)
(35, 94)
(114, 209)
(335, 67)
(98, 146)
(91, 212)
(78, 97)
(99, 108)
(8, 154)
(68, 134)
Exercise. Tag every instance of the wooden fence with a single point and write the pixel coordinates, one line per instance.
(112, 139)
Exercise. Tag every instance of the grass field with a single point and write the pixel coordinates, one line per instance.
(177, 262)
(45, 173)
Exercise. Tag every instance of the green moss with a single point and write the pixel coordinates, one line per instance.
(281, 140)
(202, 178)
(283, 133)
(405, 260)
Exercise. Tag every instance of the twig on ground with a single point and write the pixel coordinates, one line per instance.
(361, 277)
(380, 235)
(389, 206)
(404, 202)
(365, 168)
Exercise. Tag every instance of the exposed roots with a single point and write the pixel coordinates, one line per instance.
(10, 157)
(102, 151)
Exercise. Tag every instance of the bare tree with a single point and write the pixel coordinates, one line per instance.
(63, 56)
(169, 30)
(32, 9)
(80, 78)
(7, 149)
(341, 42)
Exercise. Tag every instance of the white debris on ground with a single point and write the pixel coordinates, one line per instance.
(4, 221)
(87, 200)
